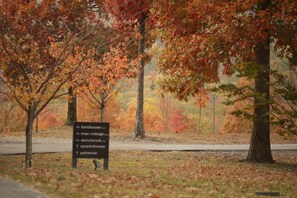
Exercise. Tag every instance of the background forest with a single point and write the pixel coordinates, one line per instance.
(67, 61)
(162, 111)
(127, 63)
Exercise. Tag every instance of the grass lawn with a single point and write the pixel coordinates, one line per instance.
(156, 174)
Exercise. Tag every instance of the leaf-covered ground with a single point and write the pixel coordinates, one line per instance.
(157, 174)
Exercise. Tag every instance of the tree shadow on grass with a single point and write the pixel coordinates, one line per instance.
(288, 166)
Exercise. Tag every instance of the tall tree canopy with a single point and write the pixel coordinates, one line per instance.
(128, 16)
(104, 75)
(36, 39)
(201, 35)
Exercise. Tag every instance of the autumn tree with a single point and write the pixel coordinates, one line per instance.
(85, 10)
(75, 82)
(35, 41)
(240, 106)
(165, 105)
(283, 100)
(184, 62)
(284, 90)
(12, 116)
(103, 81)
(71, 111)
(178, 121)
(201, 35)
(200, 100)
(128, 15)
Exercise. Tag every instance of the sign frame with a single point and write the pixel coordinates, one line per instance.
(90, 140)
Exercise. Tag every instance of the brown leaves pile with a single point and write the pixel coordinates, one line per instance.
(151, 174)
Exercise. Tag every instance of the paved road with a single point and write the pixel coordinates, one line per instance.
(18, 148)
(11, 189)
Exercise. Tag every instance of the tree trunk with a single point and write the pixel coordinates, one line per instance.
(139, 125)
(71, 115)
(6, 117)
(214, 113)
(260, 150)
(102, 112)
(199, 119)
(29, 129)
(36, 124)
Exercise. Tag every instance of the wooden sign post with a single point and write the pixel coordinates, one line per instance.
(90, 140)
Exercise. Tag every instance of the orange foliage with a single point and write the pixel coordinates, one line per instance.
(88, 112)
(151, 120)
(126, 119)
(178, 121)
(200, 35)
(165, 105)
(201, 98)
(12, 117)
(127, 13)
(112, 111)
(104, 76)
(49, 118)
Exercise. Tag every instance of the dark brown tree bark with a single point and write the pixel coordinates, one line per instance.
(260, 149)
(36, 124)
(71, 114)
(102, 109)
(199, 119)
(139, 125)
(214, 113)
(29, 129)
(102, 112)
(102, 104)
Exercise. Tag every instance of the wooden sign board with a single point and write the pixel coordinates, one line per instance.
(90, 140)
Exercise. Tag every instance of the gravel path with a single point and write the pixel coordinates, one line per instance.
(16, 145)
(46, 145)
(36, 140)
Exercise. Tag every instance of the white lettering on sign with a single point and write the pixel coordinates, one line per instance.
(92, 146)
(91, 134)
(87, 153)
(89, 140)
(97, 134)
(92, 127)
